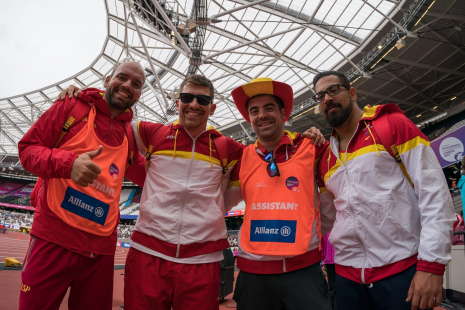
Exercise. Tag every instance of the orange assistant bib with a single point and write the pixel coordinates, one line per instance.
(94, 209)
(280, 211)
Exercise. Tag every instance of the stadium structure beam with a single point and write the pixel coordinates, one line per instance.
(19, 112)
(260, 48)
(423, 65)
(160, 100)
(408, 33)
(161, 11)
(237, 8)
(230, 71)
(12, 123)
(81, 84)
(154, 34)
(251, 42)
(446, 40)
(97, 73)
(143, 55)
(363, 73)
(282, 53)
(389, 98)
(148, 57)
(248, 79)
(445, 15)
(395, 76)
(242, 24)
(149, 110)
(32, 108)
(316, 10)
(291, 18)
(9, 139)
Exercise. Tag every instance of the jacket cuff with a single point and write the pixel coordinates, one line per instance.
(435, 268)
(68, 170)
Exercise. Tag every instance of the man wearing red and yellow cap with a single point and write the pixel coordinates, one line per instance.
(279, 255)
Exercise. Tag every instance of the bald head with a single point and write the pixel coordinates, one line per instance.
(123, 87)
(131, 63)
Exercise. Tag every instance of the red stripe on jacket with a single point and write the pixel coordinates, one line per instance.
(185, 250)
(277, 266)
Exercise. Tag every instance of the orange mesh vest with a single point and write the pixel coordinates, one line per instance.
(280, 211)
(94, 209)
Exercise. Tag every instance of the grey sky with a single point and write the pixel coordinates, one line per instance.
(43, 42)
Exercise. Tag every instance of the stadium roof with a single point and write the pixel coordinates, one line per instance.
(236, 41)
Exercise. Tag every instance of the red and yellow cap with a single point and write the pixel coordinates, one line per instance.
(263, 86)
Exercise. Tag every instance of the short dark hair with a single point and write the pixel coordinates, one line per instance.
(342, 77)
(199, 80)
(278, 101)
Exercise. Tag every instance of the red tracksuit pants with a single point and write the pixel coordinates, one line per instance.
(154, 283)
(49, 270)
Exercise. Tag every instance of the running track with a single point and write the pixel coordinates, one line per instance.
(15, 244)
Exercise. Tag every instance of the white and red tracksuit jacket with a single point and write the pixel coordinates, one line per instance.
(182, 206)
(384, 225)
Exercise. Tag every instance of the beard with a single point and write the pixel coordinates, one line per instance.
(117, 103)
(337, 118)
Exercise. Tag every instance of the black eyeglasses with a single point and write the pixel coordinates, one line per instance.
(201, 99)
(272, 167)
(332, 90)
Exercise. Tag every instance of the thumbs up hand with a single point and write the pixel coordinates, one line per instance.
(84, 171)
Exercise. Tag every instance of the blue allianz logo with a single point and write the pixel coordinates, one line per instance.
(85, 206)
(273, 231)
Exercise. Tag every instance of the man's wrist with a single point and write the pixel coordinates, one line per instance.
(435, 268)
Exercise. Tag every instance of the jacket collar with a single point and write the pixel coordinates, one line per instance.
(96, 97)
(210, 129)
(287, 139)
(372, 113)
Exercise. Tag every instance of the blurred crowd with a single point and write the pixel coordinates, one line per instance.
(232, 239)
(124, 231)
(13, 218)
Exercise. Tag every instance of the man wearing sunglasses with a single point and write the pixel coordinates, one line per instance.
(394, 215)
(279, 254)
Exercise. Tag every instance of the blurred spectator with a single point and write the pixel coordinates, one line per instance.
(124, 231)
(13, 218)
(232, 239)
(327, 251)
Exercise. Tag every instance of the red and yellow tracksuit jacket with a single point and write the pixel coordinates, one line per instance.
(38, 156)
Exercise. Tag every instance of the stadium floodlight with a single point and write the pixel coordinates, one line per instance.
(400, 43)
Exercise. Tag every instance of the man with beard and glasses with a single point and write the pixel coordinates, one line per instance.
(394, 218)
(79, 149)
(279, 256)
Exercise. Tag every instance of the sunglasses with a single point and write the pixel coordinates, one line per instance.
(201, 99)
(272, 167)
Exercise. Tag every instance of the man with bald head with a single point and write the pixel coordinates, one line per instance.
(80, 150)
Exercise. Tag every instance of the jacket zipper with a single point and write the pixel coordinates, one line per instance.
(109, 132)
(353, 213)
(91, 255)
(185, 193)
